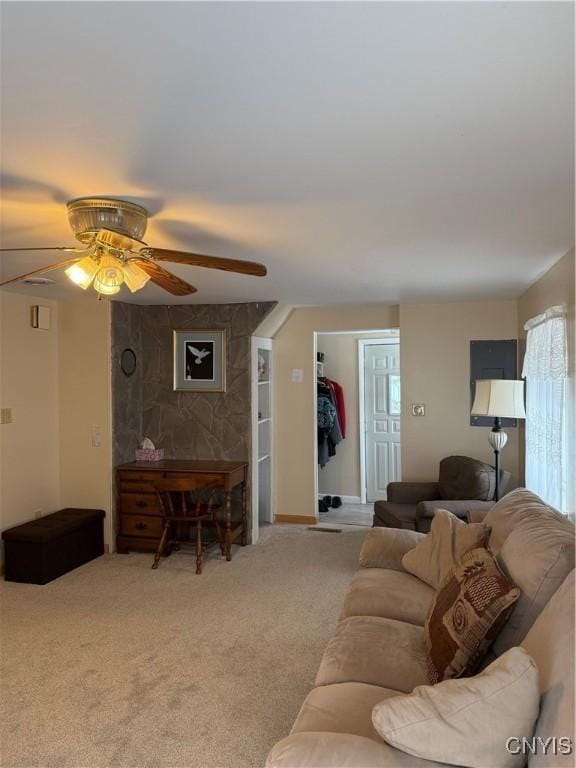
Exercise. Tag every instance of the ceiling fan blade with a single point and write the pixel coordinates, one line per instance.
(165, 279)
(210, 262)
(42, 270)
(22, 189)
(67, 248)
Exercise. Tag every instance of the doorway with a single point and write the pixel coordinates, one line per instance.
(359, 372)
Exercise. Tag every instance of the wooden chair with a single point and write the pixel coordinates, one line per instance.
(186, 502)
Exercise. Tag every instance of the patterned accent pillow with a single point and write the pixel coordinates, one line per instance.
(471, 606)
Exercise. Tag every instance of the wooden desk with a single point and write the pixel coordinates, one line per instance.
(139, 516)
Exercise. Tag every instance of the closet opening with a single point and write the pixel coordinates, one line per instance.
(357, 403)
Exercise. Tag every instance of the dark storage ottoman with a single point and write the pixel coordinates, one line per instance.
(41, 550)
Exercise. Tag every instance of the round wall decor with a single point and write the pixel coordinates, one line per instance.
(128, 361)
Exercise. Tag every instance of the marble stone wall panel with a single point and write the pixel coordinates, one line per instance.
(187, 425)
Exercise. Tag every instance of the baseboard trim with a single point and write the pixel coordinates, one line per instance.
(300, 519)
(345, 499)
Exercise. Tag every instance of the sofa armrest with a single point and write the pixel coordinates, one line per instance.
(314, 749)
(385, 547)
(412, 493)
(425, 510)
(325, 750)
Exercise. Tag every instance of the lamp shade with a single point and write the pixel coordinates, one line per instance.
(134, 277)
(82, 273)
(503, 398)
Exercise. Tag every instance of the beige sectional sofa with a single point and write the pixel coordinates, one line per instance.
(378, 649)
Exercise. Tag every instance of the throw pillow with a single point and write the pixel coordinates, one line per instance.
(466, 722)
(448, 540)
(469, 610)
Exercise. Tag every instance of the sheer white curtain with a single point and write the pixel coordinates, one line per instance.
(546, 371)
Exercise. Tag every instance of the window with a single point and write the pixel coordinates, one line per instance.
(547, 439)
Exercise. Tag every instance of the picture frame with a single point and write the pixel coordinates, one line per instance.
(200, 360)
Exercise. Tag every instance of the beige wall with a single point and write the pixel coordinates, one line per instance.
(30, 466)
(57, 383)
(295, 420)
(435, 370)
(553, 288)
(341, 476)
(85, 403)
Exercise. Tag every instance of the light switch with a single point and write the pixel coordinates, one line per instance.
(96, 437)
(6, 416)
(297, 375)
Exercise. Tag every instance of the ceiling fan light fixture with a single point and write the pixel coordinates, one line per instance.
(89, 215)
(110, 275)
(135, 277)
(82, 273)
(105, 290)
(114, 252)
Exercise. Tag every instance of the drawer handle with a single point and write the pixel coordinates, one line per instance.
(141, 526)
(141, 503)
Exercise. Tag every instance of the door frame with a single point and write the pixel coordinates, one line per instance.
(257, 343)
(392, 338)
(362, 344)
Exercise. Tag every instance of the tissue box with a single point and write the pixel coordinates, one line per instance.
(149, 454)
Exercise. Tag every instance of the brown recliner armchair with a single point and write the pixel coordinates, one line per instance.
(464, 484)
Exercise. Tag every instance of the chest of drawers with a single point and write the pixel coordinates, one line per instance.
(139, 516)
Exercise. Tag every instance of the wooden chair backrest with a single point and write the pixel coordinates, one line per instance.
(176, 500)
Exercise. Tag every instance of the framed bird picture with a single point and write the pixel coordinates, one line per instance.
(200, 361)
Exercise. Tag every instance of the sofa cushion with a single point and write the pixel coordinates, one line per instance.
(535, 546)
(517, 508)
(440, 550)
(385, 547)
(341, 708)
(369, 649)
(340, 750)
(469, 609)
(550, 642)
(389, 594)
(467, 721)
(462, 477)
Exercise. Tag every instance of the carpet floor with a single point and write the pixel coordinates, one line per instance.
(350, 514)
(115, 664)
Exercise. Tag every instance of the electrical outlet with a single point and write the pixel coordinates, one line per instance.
(37, 513)
(96, 437)
(6, 416)
(418, 409)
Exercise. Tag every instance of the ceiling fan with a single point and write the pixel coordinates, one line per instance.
(113, 252)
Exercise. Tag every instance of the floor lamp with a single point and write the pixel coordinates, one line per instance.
(501, 399)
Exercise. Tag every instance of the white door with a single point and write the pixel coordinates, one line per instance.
(382, 417)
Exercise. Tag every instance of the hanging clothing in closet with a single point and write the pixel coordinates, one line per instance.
(340, 409)
(330, 418)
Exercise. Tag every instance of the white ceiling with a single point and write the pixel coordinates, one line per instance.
(364, 151)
